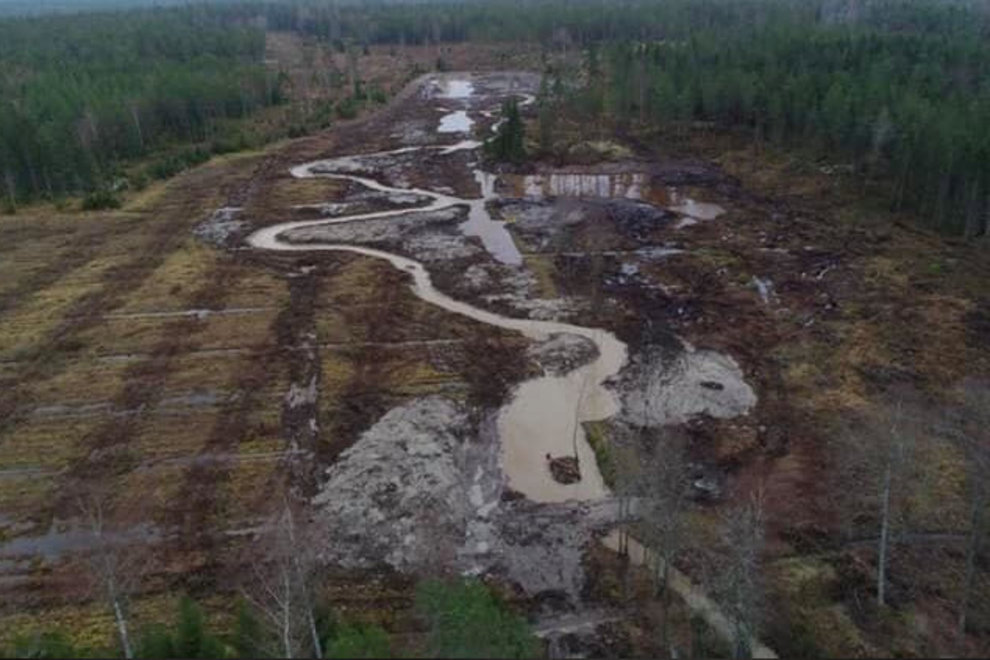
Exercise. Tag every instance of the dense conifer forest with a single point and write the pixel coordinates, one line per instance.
(909, 109)
(82, 93)
(900, 89)
(666, 321)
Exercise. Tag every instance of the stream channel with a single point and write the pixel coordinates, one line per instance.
(545, 414)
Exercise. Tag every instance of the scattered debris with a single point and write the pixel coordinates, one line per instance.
(563, 353)
(565, 469)
(222, 228)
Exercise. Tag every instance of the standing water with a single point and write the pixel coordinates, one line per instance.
(545, 414)
(456, 122)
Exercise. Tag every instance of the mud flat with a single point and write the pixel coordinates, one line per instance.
(544, 416)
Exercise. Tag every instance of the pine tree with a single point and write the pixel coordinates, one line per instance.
(508, 144)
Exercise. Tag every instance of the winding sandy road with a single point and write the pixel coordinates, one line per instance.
(545, 414)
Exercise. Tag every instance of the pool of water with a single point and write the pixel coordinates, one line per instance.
(623, 185)
(456, 122)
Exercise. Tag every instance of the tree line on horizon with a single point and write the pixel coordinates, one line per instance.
(907, 111)
(81, 94)
(900, 88)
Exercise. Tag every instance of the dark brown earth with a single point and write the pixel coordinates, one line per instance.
(862, 299)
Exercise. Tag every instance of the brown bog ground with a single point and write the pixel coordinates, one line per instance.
(118, 374)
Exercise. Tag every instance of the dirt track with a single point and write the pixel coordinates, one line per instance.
(544, 415)
(190, 415)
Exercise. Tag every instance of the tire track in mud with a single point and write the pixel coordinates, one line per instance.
(82, 253)
(556, 429)
(143, 379)
(190, 518)
(50, 355)
(363, 399)
(515, 428)
(194, 519)
(299, 349)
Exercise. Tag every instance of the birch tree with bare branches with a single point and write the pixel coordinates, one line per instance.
(874, 462)
(283, 585)
(628, 473)
(664, 501)
(115, 571)
(968, 426)
(738, 584)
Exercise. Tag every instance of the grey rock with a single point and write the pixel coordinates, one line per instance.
(563, 353)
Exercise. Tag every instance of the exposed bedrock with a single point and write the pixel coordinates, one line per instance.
(425, 235)
(563, 353)
(405, 493)
(664, 386)
(422, 492)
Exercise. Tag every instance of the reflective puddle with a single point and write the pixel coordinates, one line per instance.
(456, 122)
(628, 185)
(456, 89)
(692, 208)
(624, 185)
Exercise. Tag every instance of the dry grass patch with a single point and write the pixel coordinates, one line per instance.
(48, 443)
(886, 273)
(814, 625)
(337, 375)
(940, 337)
(813, 376)
(351, 284)
(939, 498)
(154, 486)
(88, 623)
(769, 170)
(543, 269)
(81, 380)
(160, 193)
(168, 287)
(287, 192)
(263, 433)
(22, 496)
(416, 377)
(115, 336)
(29, 257)
(172, 436)
(863, 351)
(333, 328)
(247, 492)
(422, 321)
(236, 331)
(193, 372)
(145, 200)
(91, 624)
(256, 288)
(29, 324)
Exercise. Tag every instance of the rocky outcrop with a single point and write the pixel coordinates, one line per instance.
(222, 228)
(422, 492)
(663, 387)
(563, 353)
(406, 493)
